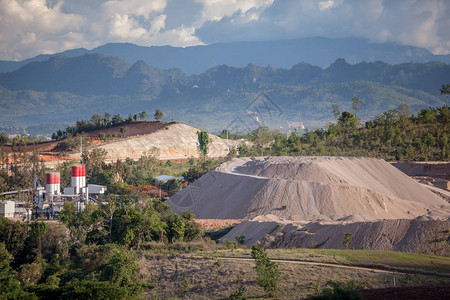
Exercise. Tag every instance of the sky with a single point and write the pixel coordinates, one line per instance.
(32, 27)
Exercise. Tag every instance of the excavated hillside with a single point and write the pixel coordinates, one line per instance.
(170, 142)
(314, 201)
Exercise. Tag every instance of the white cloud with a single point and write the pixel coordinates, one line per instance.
(158, 23)
(408, 22)
(31, 27)
(134, 7)
(323, 5)
(216, 10)
(178, 37)
(124, 28)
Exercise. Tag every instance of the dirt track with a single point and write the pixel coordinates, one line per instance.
(320, 264)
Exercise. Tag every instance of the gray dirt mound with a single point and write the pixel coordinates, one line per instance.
(309, 188)
(398, 235)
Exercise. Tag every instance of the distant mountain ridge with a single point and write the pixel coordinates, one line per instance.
(64, 89)
(97, 74)
(282, 54)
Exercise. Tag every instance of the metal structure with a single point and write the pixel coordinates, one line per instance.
(54, 200)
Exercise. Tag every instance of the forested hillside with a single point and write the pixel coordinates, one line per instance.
(394, 135)
(63, 90)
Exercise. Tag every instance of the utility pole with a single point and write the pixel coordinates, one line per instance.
(228, 145)
(81, 147)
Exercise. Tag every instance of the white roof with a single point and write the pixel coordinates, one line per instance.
(167, 177)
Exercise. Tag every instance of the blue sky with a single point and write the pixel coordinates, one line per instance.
(32, 27)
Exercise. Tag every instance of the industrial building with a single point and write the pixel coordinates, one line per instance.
(49, 201)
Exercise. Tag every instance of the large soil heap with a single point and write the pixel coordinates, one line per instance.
(315, 201)
(309, 188)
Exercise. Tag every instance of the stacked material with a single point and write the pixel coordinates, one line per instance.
(311, 189)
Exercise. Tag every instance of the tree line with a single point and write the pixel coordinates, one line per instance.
(395, 135)
(91, 254)
(98, 121)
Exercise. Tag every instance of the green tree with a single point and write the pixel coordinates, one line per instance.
(117, 120)
(106, 120)
(121, 269)
(10, 287)
(173, 186)
(348, 121)
(4, 139)
(403, 111)
(356, 103)
(335, 111)
(94, 161)
(158, 114)
(36, 236)
(123, 131)
(96, 120)
(142, 115)
(240, 239)
(203, 143)
(175, 228)
(192, 230)
(445, 90)
(102, 136)
(262, 136)
(13, 235)
(347, 239)
(266, 270)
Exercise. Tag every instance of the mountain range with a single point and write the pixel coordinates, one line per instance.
(62, 89)
(318, 51)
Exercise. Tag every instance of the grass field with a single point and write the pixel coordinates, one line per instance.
(216, 274)
(390, 260)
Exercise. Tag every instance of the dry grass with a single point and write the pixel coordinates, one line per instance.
(202, 275)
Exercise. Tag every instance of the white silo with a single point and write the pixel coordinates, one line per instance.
(52, 186)
(78, 180)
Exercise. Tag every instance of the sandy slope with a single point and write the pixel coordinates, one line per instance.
(174, 141)
(309, 188)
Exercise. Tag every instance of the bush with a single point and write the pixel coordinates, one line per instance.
(347, 239)
(240, 239)
(339, 290)
(92, 289)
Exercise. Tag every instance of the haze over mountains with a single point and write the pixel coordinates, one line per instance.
(63, 89)
(318, 51)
